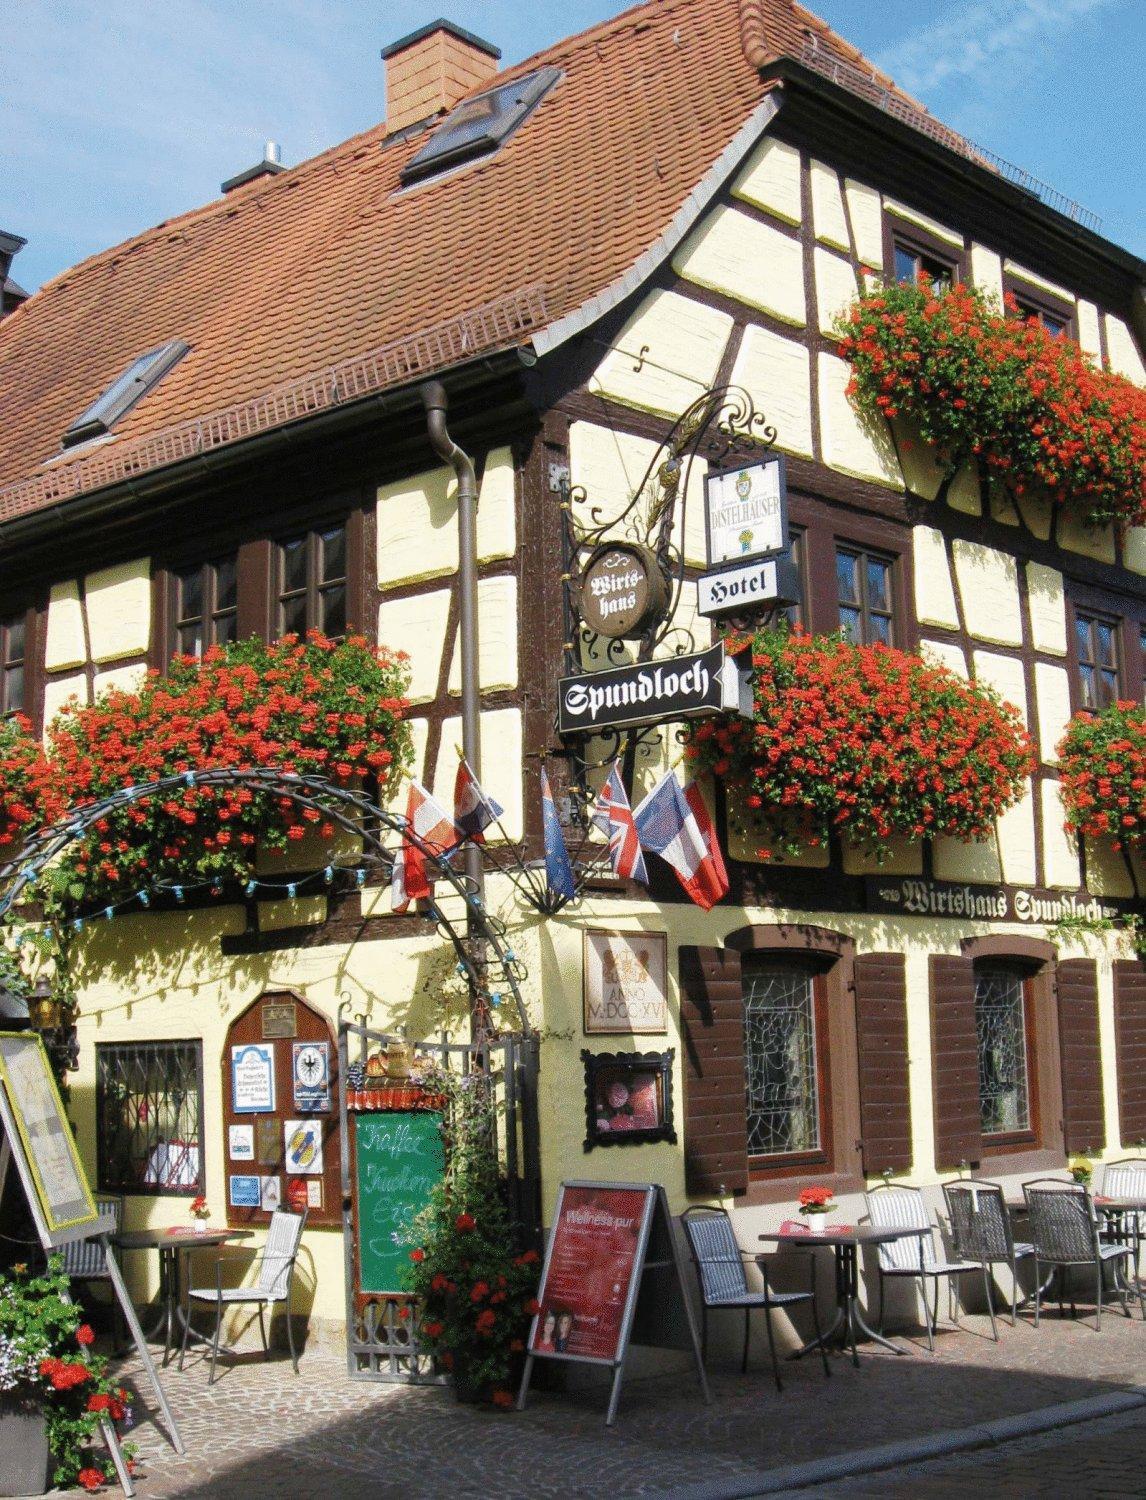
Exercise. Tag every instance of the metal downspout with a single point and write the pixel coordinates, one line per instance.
(436, 403)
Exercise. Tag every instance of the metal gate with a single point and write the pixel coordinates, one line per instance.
(381, 1332)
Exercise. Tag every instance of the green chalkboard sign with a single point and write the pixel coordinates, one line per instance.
(398, 1159)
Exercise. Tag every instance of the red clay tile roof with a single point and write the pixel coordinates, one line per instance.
(314, 267)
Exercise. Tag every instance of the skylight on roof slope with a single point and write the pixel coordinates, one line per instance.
(480, 125)
(139, 377)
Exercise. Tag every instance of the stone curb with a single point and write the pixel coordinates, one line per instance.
(913, 1450)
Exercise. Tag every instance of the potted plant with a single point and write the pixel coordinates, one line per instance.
(815, 1203)
(1081, 1169)
(1102, 762)
(54, 1389)
(474, 1287)
(200, 1212)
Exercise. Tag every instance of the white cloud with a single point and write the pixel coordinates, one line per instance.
(981, 36)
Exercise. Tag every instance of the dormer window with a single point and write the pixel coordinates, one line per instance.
(135, 382)
(480, 124)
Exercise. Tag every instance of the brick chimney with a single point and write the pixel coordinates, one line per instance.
(431, 69)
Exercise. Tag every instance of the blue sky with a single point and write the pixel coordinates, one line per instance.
(115, 115)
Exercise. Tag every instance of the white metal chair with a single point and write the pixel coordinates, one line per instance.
(273, 1285)
(1064, 1228)
(719, 1264)
(85, 1261)
(1127, 1179)
(891, 1206)
(981, 1231)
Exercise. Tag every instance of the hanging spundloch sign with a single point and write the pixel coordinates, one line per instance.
(651, 692)
(613, 1274)
(746, 513)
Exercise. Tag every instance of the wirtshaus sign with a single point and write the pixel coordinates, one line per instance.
(913, 896)
(653, 691)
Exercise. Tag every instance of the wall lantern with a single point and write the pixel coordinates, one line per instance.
(44, 1010)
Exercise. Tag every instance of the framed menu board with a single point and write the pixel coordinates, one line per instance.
(36, 1112)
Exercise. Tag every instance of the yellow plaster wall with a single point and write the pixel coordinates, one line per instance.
(685, 341)
(497, 507)
(1005, 674)
(866, 214)
(417, 528)
(416, 624)
(65, 645)
(60, 690)
(1032, 278)
(497, 637)
(1125, 356)
(124, 679)
(1088, 335)
(119, 610)
(775, 370)
(1017, 847)
(771, 180)
(850, 445)
(501, 763)
(934, 594)
(947, 654)
(913, 216)
(989, 588)
(987, 271)
(610, 466)
(738, 254)
(828, 217)
(1047, 607)
(1060, 851)
(1091, 541)
(836, 287)
(1134, 548)
(1052, 695)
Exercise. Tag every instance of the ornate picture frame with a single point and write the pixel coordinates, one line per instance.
(628, 1098)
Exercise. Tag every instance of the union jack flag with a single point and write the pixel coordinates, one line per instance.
(613, 817)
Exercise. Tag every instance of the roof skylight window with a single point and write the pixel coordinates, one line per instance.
(135, 382)
(480, 125)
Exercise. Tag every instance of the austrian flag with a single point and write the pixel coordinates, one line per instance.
(673, 822)
(614, 818)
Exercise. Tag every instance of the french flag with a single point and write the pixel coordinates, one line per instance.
(474, 809)
(434, 826)
(614, 818)
(673, 822)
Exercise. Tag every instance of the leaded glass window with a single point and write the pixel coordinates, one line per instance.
(149, 1103)
(13, 644)
(206, 606)
(780, 1060)
(1096, 637)
(863, 590)
(312, 581)
(1001, 1029)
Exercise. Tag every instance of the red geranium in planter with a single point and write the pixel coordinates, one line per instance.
(332, 708)
(1102, 758)
(1031, 409)
(868, 742)
(29, 791)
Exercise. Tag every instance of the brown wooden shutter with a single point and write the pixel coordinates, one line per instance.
(881, 1034)
(1083, 1120)
(1130, 1040)
(955, 1061)
(712, 1032)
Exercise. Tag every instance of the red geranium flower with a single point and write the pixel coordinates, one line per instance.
(417, 1255)
(91, 1479)
(84, 1334)
(464, 1223)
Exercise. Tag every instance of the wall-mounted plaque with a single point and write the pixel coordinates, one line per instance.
(280, 1019)
(625, 981)
(623, 591)
(746, 513)
(628, 1098)
(252, 1078)
(268, 1141)
(243, 1192)
(241, 1142)
(311, 1076)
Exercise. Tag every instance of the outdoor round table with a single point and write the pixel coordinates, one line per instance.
(170, 1242)
(844, 1240)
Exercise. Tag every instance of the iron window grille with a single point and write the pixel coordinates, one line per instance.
(149, 1113)
(312, 583)
(781, 1054)
(205, 606)
(864, 595)
(1099, 678)
(13, 645)
(135, 382)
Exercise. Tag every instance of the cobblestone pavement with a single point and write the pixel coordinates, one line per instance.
(1103, 1458)
(260, 1431)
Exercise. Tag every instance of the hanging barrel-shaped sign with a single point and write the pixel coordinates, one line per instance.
(623, 591)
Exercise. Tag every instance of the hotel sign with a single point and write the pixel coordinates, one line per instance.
(767, 584)
(913, 896)
(652, 692)
(746, 513)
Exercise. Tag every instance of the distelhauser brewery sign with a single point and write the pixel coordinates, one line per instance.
(679, 687)
(746, 513)
(623, 591)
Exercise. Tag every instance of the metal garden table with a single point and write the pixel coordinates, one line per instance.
(171, 1244)
(844, 1240)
